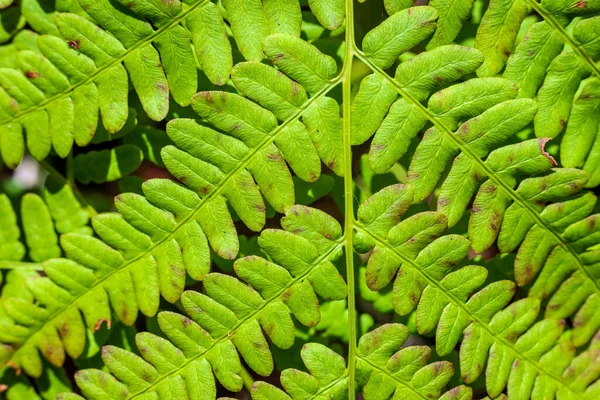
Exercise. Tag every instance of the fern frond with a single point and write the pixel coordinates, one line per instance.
(154, 240)
(327, 377)
(444, 295)
(491, 115)
(230, 316)
(56, 95)
(58, 210)
(540, 60)
(469, 124)
(393, 371)
(540, 56)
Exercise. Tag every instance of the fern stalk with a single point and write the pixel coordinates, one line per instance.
(20, 265)
(349, 196)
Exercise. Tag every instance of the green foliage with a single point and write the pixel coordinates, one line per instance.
(394, 201)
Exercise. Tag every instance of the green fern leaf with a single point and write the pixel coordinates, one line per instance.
(230, 316)
(470, 146)
(84, 74)
(579, 147)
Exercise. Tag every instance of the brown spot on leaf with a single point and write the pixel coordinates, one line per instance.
(413, 298)
(14, 366)
(208, 97)
(162, 87)
(488, 188)
(74, 44)
(295, 88)
(32, 74)
(63, 329)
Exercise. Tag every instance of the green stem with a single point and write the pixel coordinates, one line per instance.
(349, 197)
(247, 379)
(20, 265)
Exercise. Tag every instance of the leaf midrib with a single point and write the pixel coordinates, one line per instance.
(222, 186)
(349, 195)
(464, 308)
(115, 61)
(464, 148)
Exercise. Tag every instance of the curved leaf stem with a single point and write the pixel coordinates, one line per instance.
(324, 390)
(20, 265)
(247, 378)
